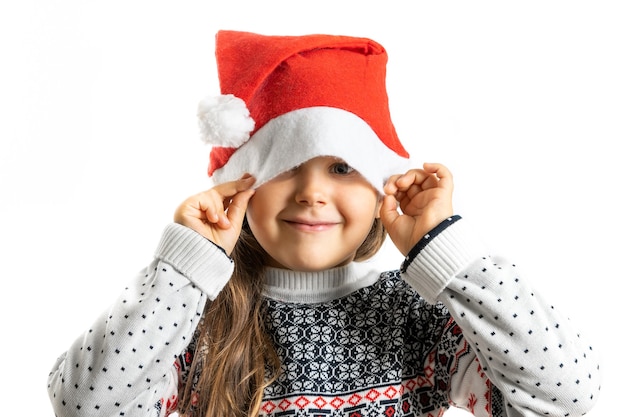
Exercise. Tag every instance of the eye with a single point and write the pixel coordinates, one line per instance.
(341, 168)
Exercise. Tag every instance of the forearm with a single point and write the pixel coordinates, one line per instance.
(124, 362)
(527, 348)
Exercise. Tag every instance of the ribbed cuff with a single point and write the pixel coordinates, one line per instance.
(200, 260)
(444, 255)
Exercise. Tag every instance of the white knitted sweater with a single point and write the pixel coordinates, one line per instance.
(454, 326)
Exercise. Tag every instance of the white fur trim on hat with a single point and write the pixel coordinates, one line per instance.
(295, 137)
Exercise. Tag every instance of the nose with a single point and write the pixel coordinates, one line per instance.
(312, 187)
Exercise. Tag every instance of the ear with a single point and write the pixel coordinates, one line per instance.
(379, 205)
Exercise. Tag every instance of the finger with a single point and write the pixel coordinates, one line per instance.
(439, 169)
(206, 207)
(443, 174)
(390, 187)
(231, 188)
(432, 181)
(414, 176)
(216, 209)
(238, 206)
(402, 187)
(389, 211)
(209, 205)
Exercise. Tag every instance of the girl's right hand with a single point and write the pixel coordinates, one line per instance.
(218, 213)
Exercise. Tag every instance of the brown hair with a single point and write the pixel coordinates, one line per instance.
(232, 334)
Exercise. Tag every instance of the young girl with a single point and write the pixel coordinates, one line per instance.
(257, 303)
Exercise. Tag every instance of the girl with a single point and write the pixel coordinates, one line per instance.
(257, 303)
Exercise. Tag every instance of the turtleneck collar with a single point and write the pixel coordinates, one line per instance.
(317, 287)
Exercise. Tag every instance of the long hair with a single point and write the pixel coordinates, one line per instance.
(235, 358)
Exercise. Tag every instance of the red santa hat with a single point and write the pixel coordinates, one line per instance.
(287, 99)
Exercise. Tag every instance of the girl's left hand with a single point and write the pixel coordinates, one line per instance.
(425, 198)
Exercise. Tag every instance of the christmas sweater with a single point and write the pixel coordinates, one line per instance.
(453, 327)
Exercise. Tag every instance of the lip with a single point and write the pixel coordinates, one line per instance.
(310, 225)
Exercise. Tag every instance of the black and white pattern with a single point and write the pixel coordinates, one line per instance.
(375, 338)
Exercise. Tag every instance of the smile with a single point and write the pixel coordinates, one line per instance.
(309, 226)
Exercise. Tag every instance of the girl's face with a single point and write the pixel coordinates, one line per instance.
(315, 216)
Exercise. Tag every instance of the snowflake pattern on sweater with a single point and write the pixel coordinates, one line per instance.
(378, 351)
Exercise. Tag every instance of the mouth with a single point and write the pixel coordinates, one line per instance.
(311, 225)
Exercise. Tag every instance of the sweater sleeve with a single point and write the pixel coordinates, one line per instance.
(524, 349)
(124, 364)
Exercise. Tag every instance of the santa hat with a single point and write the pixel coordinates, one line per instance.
(287, 99)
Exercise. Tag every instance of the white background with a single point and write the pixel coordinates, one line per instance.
(524, 101)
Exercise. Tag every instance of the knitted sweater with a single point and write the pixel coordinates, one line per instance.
(453, 327)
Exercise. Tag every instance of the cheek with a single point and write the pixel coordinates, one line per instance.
(364, 201)
(255, 214)
(362, 210)
(261, 202)
(262, 208)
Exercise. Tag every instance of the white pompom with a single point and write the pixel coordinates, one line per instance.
(224, 121)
